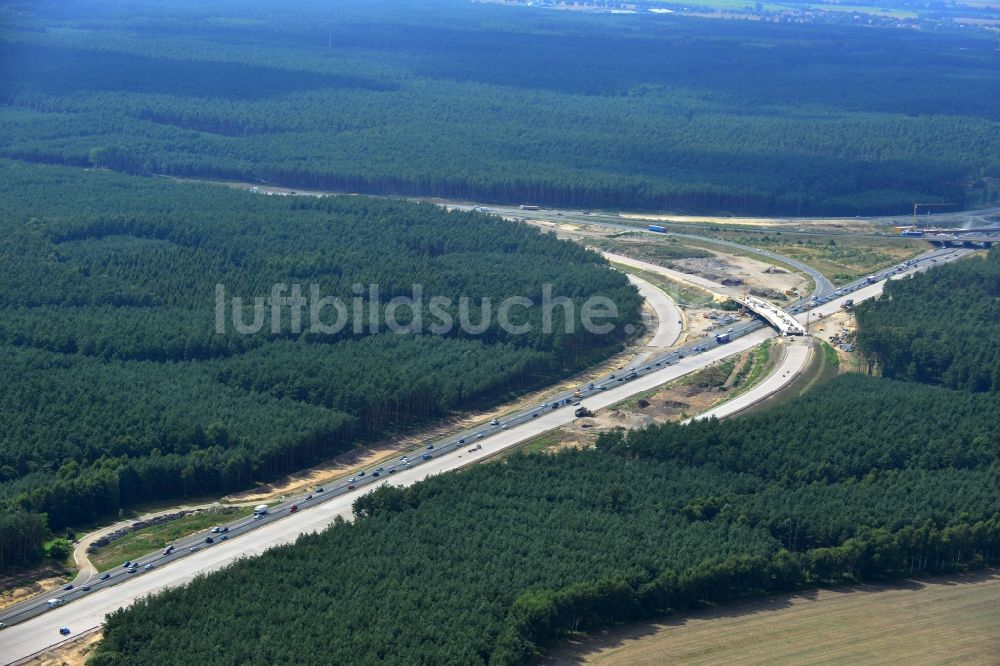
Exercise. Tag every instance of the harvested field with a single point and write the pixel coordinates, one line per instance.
(953, 619)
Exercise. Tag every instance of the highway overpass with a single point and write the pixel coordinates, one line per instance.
(36, 627)
(782, 321)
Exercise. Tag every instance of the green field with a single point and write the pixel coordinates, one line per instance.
(144, 541)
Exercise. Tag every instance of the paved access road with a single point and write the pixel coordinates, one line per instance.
(87, 611)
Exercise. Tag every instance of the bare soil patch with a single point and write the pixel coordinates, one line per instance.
(71, 653)
(18, 587)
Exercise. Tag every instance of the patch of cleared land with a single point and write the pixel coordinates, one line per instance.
(674, 401)
(74, 652)
(840, 258)
(24, 585)
(954, 620)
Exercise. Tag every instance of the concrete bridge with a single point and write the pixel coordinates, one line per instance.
(773, 315)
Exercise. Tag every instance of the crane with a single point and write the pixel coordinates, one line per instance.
(927, 205)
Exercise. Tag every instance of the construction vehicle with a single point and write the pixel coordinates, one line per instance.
(582, 411)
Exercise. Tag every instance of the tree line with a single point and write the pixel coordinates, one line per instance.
(642, 112)
(118, 387)
(492, 564)
(939, 326)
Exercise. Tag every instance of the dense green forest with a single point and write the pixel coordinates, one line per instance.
(117, 388)
(467, 100)
(940, 327)
(862, 478)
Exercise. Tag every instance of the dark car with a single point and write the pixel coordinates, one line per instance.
(293, 508)
(426, 456)
(209, 540)
(68, 586)
(376, 474)
(225, 529)
(64, 631)
(105, 576)
(224, 537)
(430, 446)
(85, 588)
(350, 487)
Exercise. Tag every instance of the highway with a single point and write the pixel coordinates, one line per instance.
(669, 318)
(822, 285)
(36, 627)
(797, 355)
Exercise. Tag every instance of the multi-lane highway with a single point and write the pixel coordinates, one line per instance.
(36, 624)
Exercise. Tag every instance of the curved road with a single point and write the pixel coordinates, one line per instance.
(87, 610)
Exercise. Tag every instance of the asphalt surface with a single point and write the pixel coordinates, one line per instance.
(36, 626)
(669, 324)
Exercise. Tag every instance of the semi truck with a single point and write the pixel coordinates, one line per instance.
(260, 510)
(722, 338)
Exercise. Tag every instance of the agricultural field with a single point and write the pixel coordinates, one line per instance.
(953, 619)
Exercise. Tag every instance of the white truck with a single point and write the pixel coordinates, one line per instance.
(260, 510)
(52, 603)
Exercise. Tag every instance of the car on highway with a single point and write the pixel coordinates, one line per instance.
(64, 631)
(494, 423)
(149, 567)
(133, 569)
(319, 489)
(429, 447)
(126, 564)
(293, 508)
(105, 576)
(85, 588)
(479, 435)
(209, 539)
(376, 474)
(193, 549)
(216, 530)
(426, 456)
(68, 586)
(224, 537)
